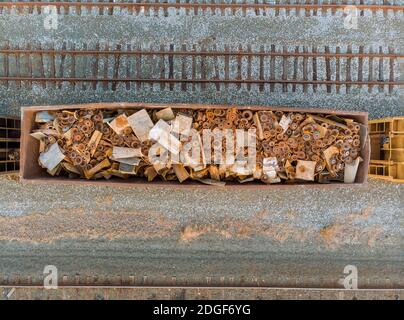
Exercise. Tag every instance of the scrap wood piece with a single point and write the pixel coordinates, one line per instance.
(94, 141)
(245, 179)
(305, 170)
(290, 170)
(166, 114)
(181, 173)
(211, 182)
(48, 132)
(329, 121)
(52, 157)
(257, 173)
(102, 165)
(328, 154)
(322, 130)
(214, 172)
(42, 146)
(38, 135)
(363, 135)
(70, 168)
(199, 174)
(150, 173)
(141, 124)
(119, 124)
(257, 122)
(55, 171)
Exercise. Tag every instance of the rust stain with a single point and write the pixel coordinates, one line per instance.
(77, 223)
(65, 223)
(231, 227)
(345, 230)
(121, 122)
(13, 177)
(341, 232)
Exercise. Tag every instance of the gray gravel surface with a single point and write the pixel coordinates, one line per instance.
(266, 237)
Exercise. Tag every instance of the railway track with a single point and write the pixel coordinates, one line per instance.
(192, 293)
(204, 7)
(189, 68)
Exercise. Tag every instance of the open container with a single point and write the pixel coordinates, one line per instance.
(32, 172)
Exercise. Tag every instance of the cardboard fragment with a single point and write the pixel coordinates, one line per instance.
(305, 170)
(130, 161)
(126, 168)
(270, 167)
(161, 133)
(55, 170)
(52, 157)
(123, 152)
(119, 124)
(44, 116)
(38, 135)
(284, 123)
(192, 153)
(350, 170)
(240, 167)
(141, 124)
(182, 125)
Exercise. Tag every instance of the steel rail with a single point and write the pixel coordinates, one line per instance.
(264, 6)
(172, 80)
(201, 53)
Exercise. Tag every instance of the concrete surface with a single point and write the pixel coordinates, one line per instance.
(277, 236)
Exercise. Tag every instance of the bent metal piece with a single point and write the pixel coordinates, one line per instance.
(160, 142)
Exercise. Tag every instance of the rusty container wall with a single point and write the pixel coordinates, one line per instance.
(31, 172)
(9, 144)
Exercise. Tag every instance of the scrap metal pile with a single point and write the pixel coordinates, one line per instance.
(288, 146)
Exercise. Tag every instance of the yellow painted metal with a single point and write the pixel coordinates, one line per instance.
(387, 149)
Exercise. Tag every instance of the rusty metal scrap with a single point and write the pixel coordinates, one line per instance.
(288, 146)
